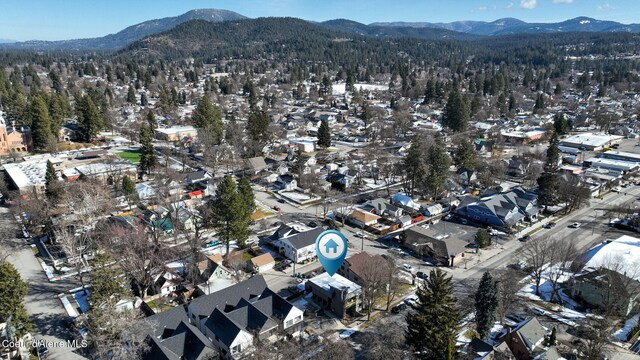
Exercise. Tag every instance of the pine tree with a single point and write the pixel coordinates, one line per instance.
(50, 182)
(90, 120)
(106, 284)
(414, 163)
(549, 181)
(539, 105)
(14, 289)
(438, 162)
(512, 102)
(40, 122)
(128, 186)
(258, 131)
(209, 118)
(228, 212)
(143, 99)
(456, 115)
(561, 124)
(482, 238)
(324, 135)
(131, 96)
(558, 89)
(465, 155)
(148, 159)
(432, 329)
(151, 120)
(486, 302)
(59, 109)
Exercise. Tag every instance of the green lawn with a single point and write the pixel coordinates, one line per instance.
(133, 156)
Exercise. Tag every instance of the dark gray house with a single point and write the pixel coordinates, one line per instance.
(233, 317)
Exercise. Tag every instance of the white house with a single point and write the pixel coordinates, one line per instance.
(300, 247)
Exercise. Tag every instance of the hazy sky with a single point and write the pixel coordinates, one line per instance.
(67, 19)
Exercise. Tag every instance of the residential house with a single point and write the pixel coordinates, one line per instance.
(383, 208)
(233, 317)
(145, 191)
(300, 247)
(526, 339)
(606, 289)
(166, 281)
(197, 177)
(336, 293)
(405, 202)
(427, 242)
(433, 210)
(285, 182)
(341, 180)
(171, 336)
(254, 165)
(262, 263)
(467, 176)
(212, 275)
(355, 267)
(362, 218)
(484, 350)
(185, 342)
(610, 277)
(501, 210)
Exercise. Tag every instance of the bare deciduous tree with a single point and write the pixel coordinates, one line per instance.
(509, 284)
(138, 257)
(563, 253)
(537, 253)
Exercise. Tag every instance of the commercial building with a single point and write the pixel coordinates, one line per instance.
(590, 141)
(176, 133)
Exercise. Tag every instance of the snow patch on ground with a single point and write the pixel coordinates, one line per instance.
(628, 326)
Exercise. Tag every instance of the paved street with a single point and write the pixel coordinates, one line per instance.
(41, 302)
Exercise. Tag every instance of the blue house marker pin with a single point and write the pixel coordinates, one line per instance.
(331, 249)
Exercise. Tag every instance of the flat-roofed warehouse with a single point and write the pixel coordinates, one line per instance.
(176, 133)
(590, 141)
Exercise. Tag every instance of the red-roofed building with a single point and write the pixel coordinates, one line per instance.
(196, 194)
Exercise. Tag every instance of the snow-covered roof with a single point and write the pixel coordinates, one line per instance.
(621, 255)
(337, 281)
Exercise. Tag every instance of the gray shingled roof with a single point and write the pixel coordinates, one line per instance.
(531, 332)
(231, 296)
(304, 239)
(185, 343)
(223, 327)
(167, 321)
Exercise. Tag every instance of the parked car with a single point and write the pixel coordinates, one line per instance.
(399, 308)
(359, 234)
(428, 263)
(525, 238)
(549, 225)
(616, 189)
(411, 300)
(575, 225)
(312, 224)
(407, 267)
(281, 201)
(422, 275)
(347, 333)
(276, 208)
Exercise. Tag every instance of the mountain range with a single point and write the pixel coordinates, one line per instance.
(508, 26)
(130, 34)
(459, 30)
